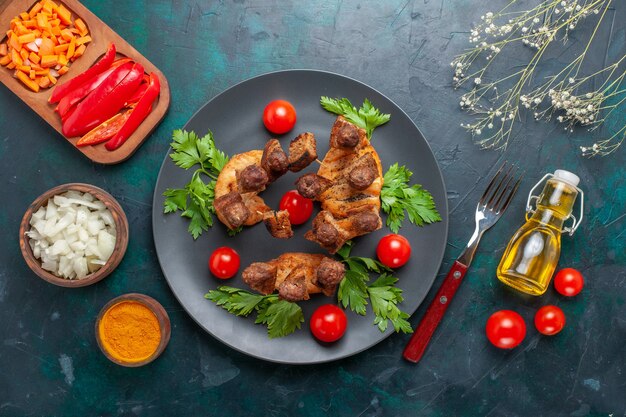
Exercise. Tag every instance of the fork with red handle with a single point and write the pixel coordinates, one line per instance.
(490, 208)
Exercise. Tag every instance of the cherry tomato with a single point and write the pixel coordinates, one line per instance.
(279, 116)
(505, 329)
(328, 323)
(299, 208)
(569, 282)
(393, 250)
(224, 262)
(549, 320)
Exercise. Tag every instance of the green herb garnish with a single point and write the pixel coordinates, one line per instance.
(397, 197)
(195, 200)
(367, 117)
(281, 317)
(355, 290)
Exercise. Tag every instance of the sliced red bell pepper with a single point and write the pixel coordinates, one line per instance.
(141, 90)
(105, 130)
(106, 100)
(102, 65)
(82, 91)
(138, 114)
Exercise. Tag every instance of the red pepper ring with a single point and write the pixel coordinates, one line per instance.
(82, 91)
(106, 100)
(102, 65)
(138, 114)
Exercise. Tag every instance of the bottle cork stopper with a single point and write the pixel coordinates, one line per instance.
(568, 177)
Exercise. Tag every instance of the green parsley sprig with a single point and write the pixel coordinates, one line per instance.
(195, 200)
(355, 290)
(367, 117)
(397, 197)
(281, 317)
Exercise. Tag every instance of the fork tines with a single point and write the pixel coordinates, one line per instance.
(501, 189)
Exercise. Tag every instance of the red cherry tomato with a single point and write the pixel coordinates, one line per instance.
(279, 116)
(393, 250)
(505, 329)
(549, 320)
(299, 208)
(328, 323)
(224, 262)
(568, 282)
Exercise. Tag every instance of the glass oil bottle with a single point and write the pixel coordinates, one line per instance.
(533, 252)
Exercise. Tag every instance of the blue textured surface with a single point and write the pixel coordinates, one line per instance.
(49, 361)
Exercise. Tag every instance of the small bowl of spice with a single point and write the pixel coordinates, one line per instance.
(74, 235)
(133, 330)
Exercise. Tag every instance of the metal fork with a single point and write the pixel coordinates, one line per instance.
(492, 204)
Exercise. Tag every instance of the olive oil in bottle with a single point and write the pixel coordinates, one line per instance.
(533, 252)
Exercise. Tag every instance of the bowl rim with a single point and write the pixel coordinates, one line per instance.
(121, 235)
(156, 308)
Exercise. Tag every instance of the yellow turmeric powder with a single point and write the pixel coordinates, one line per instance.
(129, 331)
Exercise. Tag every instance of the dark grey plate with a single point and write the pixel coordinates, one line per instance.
(235, 119)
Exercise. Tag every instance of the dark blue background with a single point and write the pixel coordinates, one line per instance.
(49, 361)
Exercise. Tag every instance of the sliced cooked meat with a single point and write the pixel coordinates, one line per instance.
(274, 160)
(312, 185)
(295, 275)
(366, 222)
(252, 178)
(345, 134)
(261, 277)
(329, 275)
(351, 204)
(324, 232)
(363, 173)
(228, 182)
(278, 224)
(302, 151)
(294, 288)
(231, 210)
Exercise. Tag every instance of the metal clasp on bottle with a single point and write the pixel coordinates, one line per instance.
(530, 210)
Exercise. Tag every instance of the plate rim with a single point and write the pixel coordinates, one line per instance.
(444, 213)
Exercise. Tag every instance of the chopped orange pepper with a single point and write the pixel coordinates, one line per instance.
(81, 26)
(27, 81)
(48, 61)
(59, 41)
(34, 58)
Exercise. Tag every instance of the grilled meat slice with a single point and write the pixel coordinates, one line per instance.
(274, 160)
(278, 224)
(302, 151)
(294, 287)
(363, 172)
(351, 204)
(261, 277)
(252, 178)
(329, 275)
(332, 233)
(229, 181)
(312, 185)
(295, 275)
(345, 134)
(231, 210)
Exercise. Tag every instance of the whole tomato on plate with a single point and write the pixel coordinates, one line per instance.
(224, 262)
(328, 323)
(393, 250)
(299, 208)
(279, 116)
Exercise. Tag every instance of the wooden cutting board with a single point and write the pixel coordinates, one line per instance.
(102, 36)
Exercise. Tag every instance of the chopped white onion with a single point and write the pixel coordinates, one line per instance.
(73, 235)
(33, 46)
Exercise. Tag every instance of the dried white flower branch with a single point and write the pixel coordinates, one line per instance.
(567, 94)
